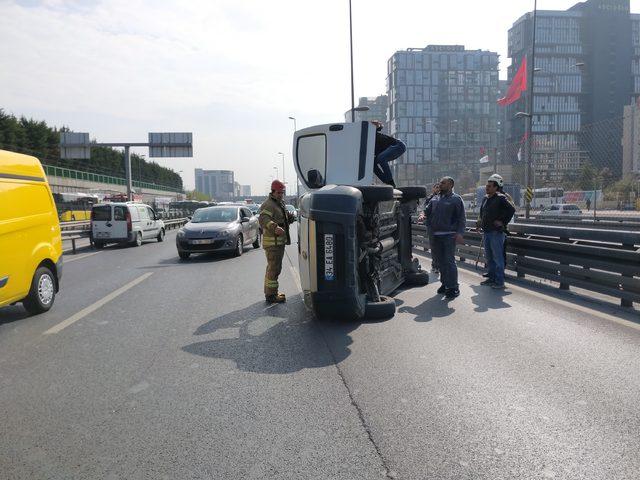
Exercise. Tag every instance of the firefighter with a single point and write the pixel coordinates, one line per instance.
(275, 221)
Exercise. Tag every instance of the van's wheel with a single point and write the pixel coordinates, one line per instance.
(376, 193)
(184, 255)
(160, 236)
(413, 193)
(42, 293)
(98, 245)
(138, 240)
(417, 279)
(385, 308)
(239, 246)
(256, 244)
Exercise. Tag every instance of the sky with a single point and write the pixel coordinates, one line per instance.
(230, 71)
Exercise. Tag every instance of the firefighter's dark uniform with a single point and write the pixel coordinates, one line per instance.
(274, 214)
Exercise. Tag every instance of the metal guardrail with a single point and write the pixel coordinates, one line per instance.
(597, 260)
(610, 223)
(73, 231)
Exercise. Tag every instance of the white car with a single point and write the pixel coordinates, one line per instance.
(125, 222)
(561, 209)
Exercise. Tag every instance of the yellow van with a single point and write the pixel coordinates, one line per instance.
(30, 241)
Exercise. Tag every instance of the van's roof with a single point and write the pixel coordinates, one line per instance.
(16, 164)
(120, 204)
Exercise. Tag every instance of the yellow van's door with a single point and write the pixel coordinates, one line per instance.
(25, 223)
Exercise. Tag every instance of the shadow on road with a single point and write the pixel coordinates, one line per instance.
(275, 339)
(436, 306)
(12, 314)
(486, 298)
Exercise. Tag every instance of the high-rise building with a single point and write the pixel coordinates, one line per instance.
(631, 140)
(377, 110)
(587, 68)
(245, 190)
(442, 105)
(218, 184)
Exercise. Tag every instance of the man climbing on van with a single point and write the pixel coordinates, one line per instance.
(274, 220)
(387, 149)
(496, 212)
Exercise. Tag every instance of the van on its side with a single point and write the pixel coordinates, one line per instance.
(124, 222)
(30, 241)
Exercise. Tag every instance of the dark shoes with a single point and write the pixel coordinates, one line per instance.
(488, 281)
(442, 289)
(279, 298)
(452, 293)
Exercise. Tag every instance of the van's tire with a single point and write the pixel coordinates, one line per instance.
(413, 193)
(160, 236)
(256, 244)
(98, 245)
(385, 308)
(42, 293)
(184, 255)
(138, 240)
(418, 279)
(376, 193)
(239, 246)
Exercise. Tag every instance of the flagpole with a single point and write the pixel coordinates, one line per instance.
(529, 118)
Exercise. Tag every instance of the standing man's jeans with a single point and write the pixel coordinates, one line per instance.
(381, 165)
(444, 249)
(494, 253)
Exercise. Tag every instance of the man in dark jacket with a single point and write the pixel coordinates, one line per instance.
(496, 212)
(445, 218)
(387, 149)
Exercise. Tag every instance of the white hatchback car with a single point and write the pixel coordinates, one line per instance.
(124, 222)
(561, 209)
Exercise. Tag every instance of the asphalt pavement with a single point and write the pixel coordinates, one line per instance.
(152, 367)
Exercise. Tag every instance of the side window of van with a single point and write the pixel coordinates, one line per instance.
(144, 214)
(119, 213)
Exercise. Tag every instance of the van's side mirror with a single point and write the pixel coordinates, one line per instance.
(244, 219)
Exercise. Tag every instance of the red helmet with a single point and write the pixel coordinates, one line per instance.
(277, 186)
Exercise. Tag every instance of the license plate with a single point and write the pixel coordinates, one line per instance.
(102, 234)
(201, 242)
(329, 273)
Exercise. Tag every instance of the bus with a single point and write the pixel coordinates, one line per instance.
(544, 197)
(74, 207)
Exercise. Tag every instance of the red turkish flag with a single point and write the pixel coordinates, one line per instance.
(518, 85)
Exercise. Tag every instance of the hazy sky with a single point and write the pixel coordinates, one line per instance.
(230, 71)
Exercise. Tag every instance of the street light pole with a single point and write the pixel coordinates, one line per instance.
(283, 179)
(353, 101)
(529, 118)
(295, 128)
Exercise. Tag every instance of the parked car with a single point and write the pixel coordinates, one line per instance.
(30, 241)
(291, 209)
(125, 222)
(561, 209)
(226, 228)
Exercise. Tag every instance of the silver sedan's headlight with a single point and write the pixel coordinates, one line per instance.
(223, 234)
(181, 233)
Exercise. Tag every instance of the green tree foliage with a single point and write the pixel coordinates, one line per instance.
(38, 139)
(198, 196)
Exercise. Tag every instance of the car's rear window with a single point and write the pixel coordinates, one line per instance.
(102, 213)
(119, 213)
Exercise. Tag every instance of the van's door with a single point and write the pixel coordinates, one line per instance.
(153, 224)
(119, 227)
(336, 153)
(101, 223)
(145, 221)
(15, 244)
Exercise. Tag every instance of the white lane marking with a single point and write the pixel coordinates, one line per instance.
(559, 301)
(294, 272)
(92, 308)
(80, 257)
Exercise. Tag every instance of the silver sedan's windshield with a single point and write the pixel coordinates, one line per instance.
(207, 215)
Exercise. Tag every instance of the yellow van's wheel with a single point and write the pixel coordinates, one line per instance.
(42, 293)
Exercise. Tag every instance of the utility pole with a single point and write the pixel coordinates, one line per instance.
(529, 118)
(353, 100)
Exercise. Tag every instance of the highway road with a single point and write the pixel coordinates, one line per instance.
(150, 367)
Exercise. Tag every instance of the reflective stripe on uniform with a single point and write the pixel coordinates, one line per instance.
(267, 212)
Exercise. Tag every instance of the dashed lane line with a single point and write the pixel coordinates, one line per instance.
(80, 257)
(95, 306)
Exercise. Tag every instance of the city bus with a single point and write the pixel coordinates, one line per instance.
(544, 197)
(74, 207)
